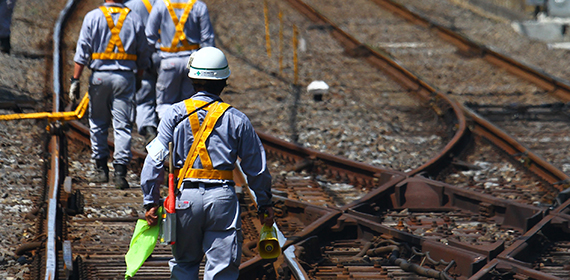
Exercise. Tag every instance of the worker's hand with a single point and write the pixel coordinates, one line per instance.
(266, 216)
(73, 90)
(151, 216)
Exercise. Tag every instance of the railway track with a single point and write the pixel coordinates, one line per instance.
(472, 81)
(396, 224)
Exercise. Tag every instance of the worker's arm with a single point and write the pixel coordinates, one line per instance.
(83, 52)
(207, 31)
(77, 70)
(152, 174)
(153, 25)
(254, 165)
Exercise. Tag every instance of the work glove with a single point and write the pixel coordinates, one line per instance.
(73, 90)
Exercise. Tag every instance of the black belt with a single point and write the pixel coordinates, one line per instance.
(195, 185)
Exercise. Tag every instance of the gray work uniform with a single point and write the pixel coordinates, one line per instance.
(6, 10)
(146, 96)
(208, 214)
(112, 82)
(173, 84)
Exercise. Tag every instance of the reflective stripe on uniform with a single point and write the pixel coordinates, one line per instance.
(201, 134)
(115, 40)
(179, 35)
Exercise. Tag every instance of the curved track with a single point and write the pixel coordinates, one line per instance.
(401, 225)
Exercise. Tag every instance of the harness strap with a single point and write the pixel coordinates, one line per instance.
(179, 35)
(115, 40)
(147, 5)
(201, 134)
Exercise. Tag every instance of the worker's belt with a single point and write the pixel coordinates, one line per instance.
(114, 70)
(195, 185)
(181, 48)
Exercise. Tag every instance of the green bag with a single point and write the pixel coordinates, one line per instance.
(142, 244)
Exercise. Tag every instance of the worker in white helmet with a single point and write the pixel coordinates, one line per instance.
(112, 43)
(146, 119)
(6, 10)
(179, 28)
(208, 135)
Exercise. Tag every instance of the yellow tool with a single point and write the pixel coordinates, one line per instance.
(57, 116)
(268, 243)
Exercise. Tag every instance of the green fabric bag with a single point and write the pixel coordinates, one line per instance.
(142, 244)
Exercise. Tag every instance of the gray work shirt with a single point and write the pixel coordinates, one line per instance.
(138, 7)
(198, 28)
(233, 136)
(95, 35)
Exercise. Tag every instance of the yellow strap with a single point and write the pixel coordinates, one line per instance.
(210, 174)
(192, 105)
(147, 5)
(195, 124)
(215, 111)
(201, 150)
(57, 116)
(115, 40)
(179, 35)
(114, 56)
(181, 48)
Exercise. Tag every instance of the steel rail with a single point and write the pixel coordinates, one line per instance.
(56, 149)
(80, 132)
(523, 272)
(439, 102)
(483, 128)
(355, 172)
(559, 88)
(517, 151)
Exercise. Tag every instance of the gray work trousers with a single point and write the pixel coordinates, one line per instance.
(111, 100)
(146, 97)
(208, 222)
(146, 103)
(173, 84)
(6, 10)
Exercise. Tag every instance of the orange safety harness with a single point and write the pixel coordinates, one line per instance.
(179, 35)
(147, 5)
(115, 40)
(201, 134)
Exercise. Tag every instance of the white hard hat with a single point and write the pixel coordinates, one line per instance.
(208, 63)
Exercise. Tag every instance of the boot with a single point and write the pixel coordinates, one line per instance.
(120, 177)
(5, 45)
(101, 171)
(150, 134)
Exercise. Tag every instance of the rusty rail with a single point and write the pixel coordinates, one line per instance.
(440, 103)
(362, 216)
(517, 151)
(56, 170)
(557, 87)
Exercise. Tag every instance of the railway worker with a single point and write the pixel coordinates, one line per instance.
(184, 27)
(146, 118)
(207, 210)
(112, 43)
(6, 10)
